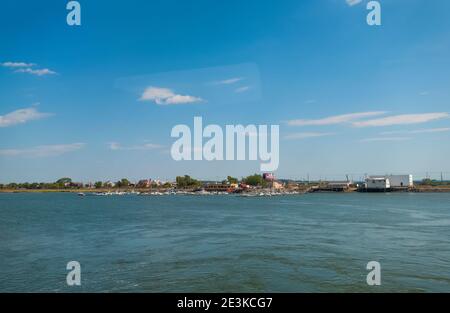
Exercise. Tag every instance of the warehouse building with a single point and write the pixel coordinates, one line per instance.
(399, 181)
(377, 183)
(388, 183)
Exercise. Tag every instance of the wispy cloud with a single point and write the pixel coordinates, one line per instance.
(402, 119)
(424, 93)
(242, 89)
(23, 67)
(165, 96)
(353, 2)
(418, 131)
(385, 139)
(333, 120)
(306, 135)
(37, 72)
(22, 116)
(42, 151)
(17, 64)
(146, 146)
(228, 81)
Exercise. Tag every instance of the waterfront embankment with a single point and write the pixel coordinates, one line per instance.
(416, 189)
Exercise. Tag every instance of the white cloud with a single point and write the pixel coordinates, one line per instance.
(42, 151)
(17, 64)
(307, 135)
(353, 2)
(385, 139)
(242, 89)
(418, 131)
(22, 67)
(228, 81)
(332, 120)
(146, 146)
(165, 96)
(180, 99)
(21, 116)
(424, 93)
(37, 72)
(402, 119)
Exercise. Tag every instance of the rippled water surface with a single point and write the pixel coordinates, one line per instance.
(305, 243)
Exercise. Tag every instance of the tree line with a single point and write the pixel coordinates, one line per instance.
(185, 181)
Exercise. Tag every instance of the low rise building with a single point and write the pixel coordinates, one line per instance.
(339, 184)
(399, 181)
(220, 187)
(144, 183)
(272, 182)
(277, 185)
(378, 183)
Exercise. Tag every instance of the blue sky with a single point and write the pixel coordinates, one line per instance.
(349, 98)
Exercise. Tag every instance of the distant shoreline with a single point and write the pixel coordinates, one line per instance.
(145, 191)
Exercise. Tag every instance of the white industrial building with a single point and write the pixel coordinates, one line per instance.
(401, 180)
(378, 183)
(388, 182)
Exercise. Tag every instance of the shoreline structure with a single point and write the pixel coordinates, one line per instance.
(253, 185)
(158, 191)
(201, 191)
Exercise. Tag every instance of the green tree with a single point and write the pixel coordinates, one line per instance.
(427, 182)
(167, 185)
(187, 181)
(232, 180)
(25, 185)
(62, 182)
(53, 186)
(123, 183)
(98, 184)
(12, 186)
(255, 180)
